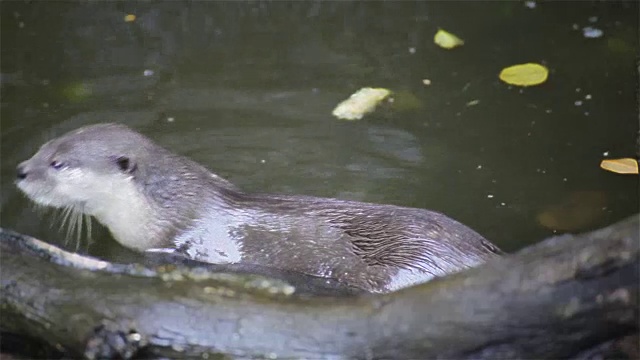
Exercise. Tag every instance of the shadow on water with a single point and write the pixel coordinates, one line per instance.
(247, 89)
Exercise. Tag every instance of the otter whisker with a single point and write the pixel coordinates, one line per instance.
(65, 213)
(40, 209)
(87, 219)
(78, 220)
(72, 219)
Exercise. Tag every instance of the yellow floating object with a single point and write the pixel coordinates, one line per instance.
(360, 103)
(524, 74)
(129, 18)
(447, 40)
(620, 166)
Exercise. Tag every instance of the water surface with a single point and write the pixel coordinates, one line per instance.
(247, 89)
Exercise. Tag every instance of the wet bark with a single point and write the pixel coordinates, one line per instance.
(563, 298)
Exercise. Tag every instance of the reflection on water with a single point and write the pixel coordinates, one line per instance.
(248, 89)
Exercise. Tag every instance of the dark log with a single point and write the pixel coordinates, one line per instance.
(561, 298)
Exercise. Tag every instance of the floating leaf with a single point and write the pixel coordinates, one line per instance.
(447, 40)
(129, 18)
(360, 103)
(620, 166)
(524, 74)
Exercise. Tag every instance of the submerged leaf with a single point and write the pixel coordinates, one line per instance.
(617, 45)
(524, 74)
(360, 103)
(620, 166)
(447, 40)
(576, 211)
(405, 101)
(77, 91)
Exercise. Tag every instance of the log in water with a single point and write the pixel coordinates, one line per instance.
(562, 297)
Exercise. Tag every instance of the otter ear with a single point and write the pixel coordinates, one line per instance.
(125, 164)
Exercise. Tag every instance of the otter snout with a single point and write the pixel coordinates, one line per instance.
(22, 171)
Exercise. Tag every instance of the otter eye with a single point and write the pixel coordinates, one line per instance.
(125, 164)
(57, 164)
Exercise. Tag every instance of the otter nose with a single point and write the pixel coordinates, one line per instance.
(22, 172)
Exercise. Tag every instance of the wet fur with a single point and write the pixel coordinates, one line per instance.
(150, 198)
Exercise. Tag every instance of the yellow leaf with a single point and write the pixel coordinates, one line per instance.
(360, 103)
(129, 18)
(524, 74)
(447, 40)
(620, 166)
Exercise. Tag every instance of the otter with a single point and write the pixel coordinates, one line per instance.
(152, 199)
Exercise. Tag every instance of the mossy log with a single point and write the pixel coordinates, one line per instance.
(556, 299)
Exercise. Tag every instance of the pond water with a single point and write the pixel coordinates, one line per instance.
(247, 89)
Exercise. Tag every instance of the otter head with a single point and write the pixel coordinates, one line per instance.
(93, 170)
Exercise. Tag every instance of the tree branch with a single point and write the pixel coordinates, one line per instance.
(558, 298)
